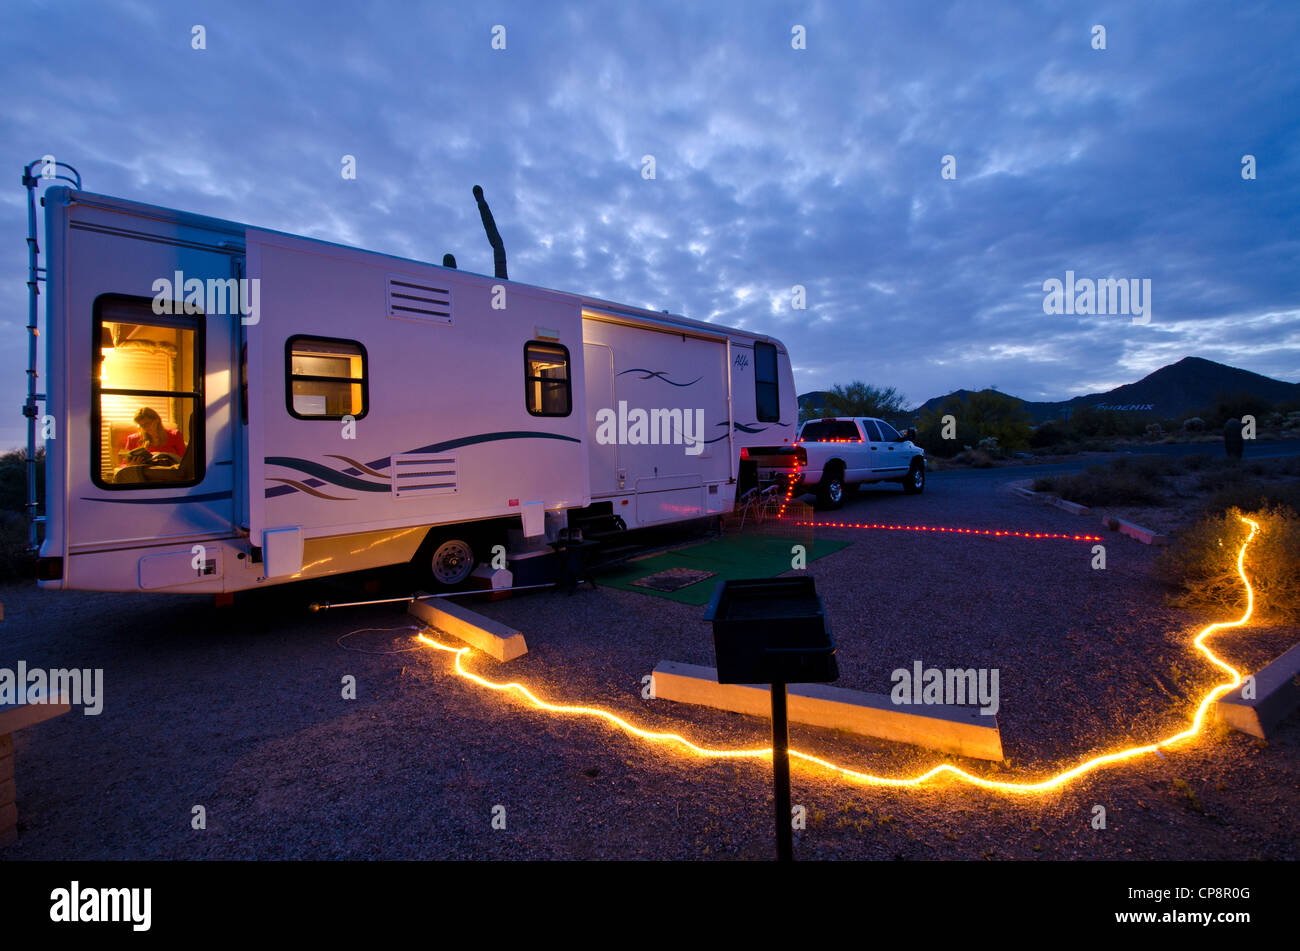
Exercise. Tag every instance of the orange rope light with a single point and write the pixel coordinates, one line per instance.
(867, 779)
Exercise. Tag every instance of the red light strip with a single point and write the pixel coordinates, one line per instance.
(789, 491)
(994, 533)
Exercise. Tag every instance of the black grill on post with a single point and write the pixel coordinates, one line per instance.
(773, 631)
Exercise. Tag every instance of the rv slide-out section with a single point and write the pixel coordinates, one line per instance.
(327, 409)
(684, 399)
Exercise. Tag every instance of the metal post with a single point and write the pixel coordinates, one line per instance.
(781, 775)
(30, 406)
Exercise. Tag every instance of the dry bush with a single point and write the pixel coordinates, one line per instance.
(1123, 482)
(1201, 565)
(975, 458)
(1254, 496)
(16, 562)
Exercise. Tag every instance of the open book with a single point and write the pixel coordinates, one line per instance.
(143, 457)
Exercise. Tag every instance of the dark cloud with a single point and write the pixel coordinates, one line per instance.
(775, 167)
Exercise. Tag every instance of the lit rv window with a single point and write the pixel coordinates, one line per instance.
(546, 379)
(146, 396)
(325, 377)
(767, 392)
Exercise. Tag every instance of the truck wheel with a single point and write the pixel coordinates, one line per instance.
(830, 492)
(914, 484)
(446, 561)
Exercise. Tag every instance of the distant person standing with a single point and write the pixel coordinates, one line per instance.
(1233, 444)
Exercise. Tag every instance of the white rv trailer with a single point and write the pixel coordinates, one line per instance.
(342, 409)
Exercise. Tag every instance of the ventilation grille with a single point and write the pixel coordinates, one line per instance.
(410, 299)
(416, 474)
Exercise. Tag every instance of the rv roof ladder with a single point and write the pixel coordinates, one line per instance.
(50, 171)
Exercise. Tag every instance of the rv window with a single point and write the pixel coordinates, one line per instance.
(546, 379)
(325, 377)
(146, 396)
(767, 392)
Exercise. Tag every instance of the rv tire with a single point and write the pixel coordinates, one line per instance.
(446, 560)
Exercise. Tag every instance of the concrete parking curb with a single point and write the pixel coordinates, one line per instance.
(1145, 535)
(494, 639)
(1022, 489)
(962, 731)
(15, 717)
(1277, 695)
(1074, 508)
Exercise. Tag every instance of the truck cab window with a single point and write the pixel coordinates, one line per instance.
(146, 396)
(873, 433)
(546, 379)
(889, 432)
(767, 389)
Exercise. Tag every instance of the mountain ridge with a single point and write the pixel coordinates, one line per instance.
(1187, 386)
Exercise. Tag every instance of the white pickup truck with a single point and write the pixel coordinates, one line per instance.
(832, 456)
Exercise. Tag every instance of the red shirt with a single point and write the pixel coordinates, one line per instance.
(173, 443)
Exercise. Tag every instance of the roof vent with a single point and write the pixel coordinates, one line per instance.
(411, 299)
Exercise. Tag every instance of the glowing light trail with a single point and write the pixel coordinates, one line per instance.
(945, 769)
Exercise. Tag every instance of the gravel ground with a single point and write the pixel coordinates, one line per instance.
(240, 710)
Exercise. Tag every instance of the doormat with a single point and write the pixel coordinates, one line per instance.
(672, 579)
(735, 556)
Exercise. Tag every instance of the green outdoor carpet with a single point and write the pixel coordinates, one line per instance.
(739, 556)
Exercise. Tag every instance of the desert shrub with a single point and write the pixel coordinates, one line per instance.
(1196, 461)
(1254, 496)
(975, 458)
(1220, 477)
(1047, 483)
(1149, 467)
(13, 479)
(1228, 406)
(16, 562)
(1201, 564)
(1051, 433)
(1120, 483)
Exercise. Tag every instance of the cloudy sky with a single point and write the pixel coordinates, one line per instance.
(774, 166)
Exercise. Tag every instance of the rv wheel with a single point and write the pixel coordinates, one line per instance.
(449, 561)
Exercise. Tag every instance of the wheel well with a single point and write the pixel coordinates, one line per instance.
(481, 536)
(835, 465)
